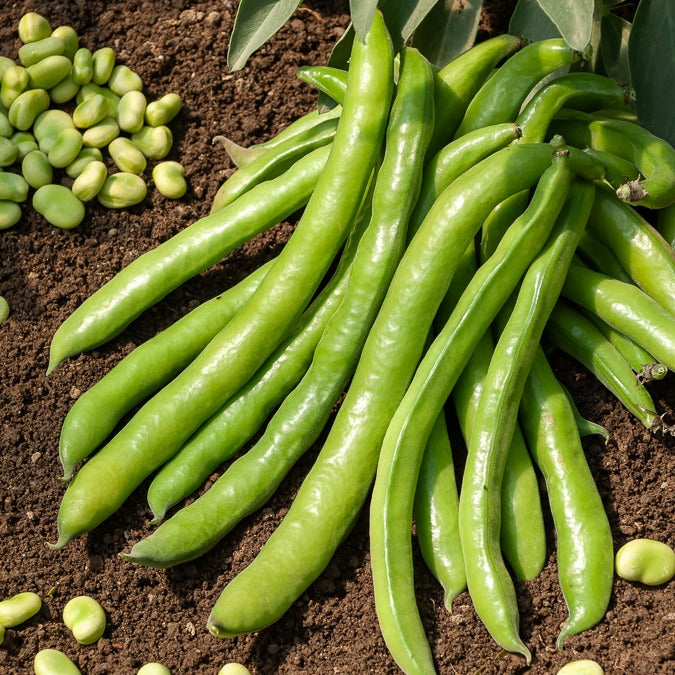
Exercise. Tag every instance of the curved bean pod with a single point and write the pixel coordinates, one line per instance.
(600, 257)
(328, 80)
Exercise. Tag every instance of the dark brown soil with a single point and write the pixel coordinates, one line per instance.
(45, 273)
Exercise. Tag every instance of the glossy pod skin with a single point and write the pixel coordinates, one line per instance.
(599, 256)
(665, 223)
(490, 586)
(404, 442)
(624, 307)
(328, 80)
(304, 412)
(144, 371)
(584, 538)
(159, 429)
(572, 332)
(336, 487)
(155, 273)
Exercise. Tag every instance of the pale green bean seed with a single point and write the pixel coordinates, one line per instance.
(36, 169)
(54, 662)
(127, 156)
(36, 51)
(66, 148)
(103, 62)
(163, 110)
(13, 187)
(123, 79)
(8, 152)
(48, 125)
(83, 68)
(65, 90)
(169, 179)
(33, 27)
(648, 561)
(5, 63)
(14, 82)
(234, 669)
(131, 111)
(48, 72)
(69, 36)
(84, 157)
(25, 142)
(19, 608)
(91, 89)
(59, 206)
(6, 129)
(10, 214)
(90, 112)
(90, 181)
(102, 133)
(581, 667)
(26, 107)
(121, 190)
(85, 618)
(153, 142)
(153, 669)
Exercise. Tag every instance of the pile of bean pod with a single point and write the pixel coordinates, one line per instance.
(455, 226)
(58, 151)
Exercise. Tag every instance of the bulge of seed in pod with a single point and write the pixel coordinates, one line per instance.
(648, 561)
(59, 206)
(85, 618)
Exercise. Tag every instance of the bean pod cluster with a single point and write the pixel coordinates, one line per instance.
(455, 227)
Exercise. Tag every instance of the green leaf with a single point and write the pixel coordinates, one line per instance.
(448, 30)
(573, 18)
(651, 54)
(614, 48)
(256, 22)
(403, 17)
(531, 21)
(362, 13)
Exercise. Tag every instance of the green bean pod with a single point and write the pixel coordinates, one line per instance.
(640, 249)
(665, 224)
(599, 256)
(146, 281)
(336, 487)
(273, 162)
(583, 535)
(304, 412)
(624, 307)
(570, 331)
(617, 169)
(404, 442)
(328, 80)
(163, 424)
(144, 371)
(501, 97)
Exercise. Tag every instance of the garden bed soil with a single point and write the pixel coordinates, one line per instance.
(155, 615)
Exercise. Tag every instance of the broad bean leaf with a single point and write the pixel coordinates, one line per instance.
(573, 18)
(256, 22)
(448, 30)
(531, 21)
(614, 48)
(362, 13)
(651, 54)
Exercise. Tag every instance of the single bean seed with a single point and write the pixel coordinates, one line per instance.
(64, 91)
(48, 125)
(14, 82)
(153, 669)
(127, 156)
(234, 669)
(163, 110)
(4, 313)
(153, 142)
(90, 112)
(35, 51)
(54, 662)
(70, 38)
(66, 148)
(5, 63)
(26, 107)
(59, 206)
(33, 27)
(89, 90)
(131, 111)
(36, 169)
(648, 561)
(8, 152)
(101, 134)
(83, 68)
(13, 187)
(103, 62)
(48, 72)
(19, 608)
(6, 129)
(84, 157)
(123, 79)
(90, 181)
(85, 618)
(169, 178)
(10, 214)
(121, 190)
(581, 667)
(25, 143)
